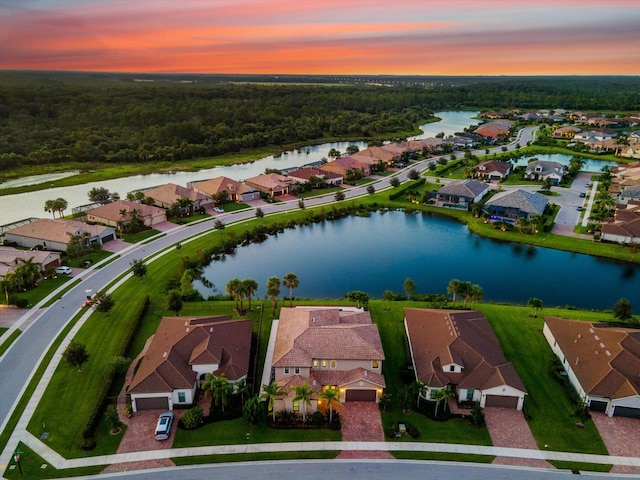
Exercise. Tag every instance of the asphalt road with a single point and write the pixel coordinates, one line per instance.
(353, 470)
(19, 362)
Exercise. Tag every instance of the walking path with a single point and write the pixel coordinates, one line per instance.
(587, 211)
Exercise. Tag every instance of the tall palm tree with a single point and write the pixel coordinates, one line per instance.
(273, 291)
(419, 388)
(332, 396)
(290, 281)
(442, 396)
(242, 388)
(49, 206)
(454, 289)
(464, 291)
(271, 393)
(60, 204)
(304, 393)
(29, 271)
(233, 289)
(219, 388)
(535, 304)
(250, 288)
(476, 294)
(7, 283)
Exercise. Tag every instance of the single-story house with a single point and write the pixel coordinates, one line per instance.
(165, 196)
(601, 362)
(625, 227)
(342, 165)
(11, 257)
(510, 205)
(236, 191)
(458, 349)
(120, 211)
(495, 131)
(493, 170)
(182, 352)
(540, 170)
(304, 174)
(565, 132)
(592, 136)
(461, 194)
(327, 346)
(374, 155)
(273, 184)
(54, 234)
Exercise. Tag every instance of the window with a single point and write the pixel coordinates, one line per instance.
(296, 406)
(375, 364)
(286, 370)
(333, 364)
(315, 363)
(452, 368)
(296, 370)
(469, 394)
(324, 364)
(181, 397)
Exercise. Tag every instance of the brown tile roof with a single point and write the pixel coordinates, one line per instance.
(111, 211)
(10, 257)
(57, 230)
(213, 186)
(305, 334)
(494, 166)
(307, 172)
(346, 163)
(373, 155)
(494, 129)
(606, 360)
(169, 193)
(442, 337)
(181, 342)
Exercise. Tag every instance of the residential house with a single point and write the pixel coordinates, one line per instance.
(120, 212)
(236, 191)
(304, 174)
(459, 142)
(11, 257)
(593, 136)
(601, 362)
(540, 170)
(273, 184)
(565, 132)
(510, 205)
(327, 346)
(461, 194)
(374, 155)
(493, 170)
(458, 349)
(165, 196)
(342, 165)
(625, 225)
(54, 234)
(182, 352)
(495, 131)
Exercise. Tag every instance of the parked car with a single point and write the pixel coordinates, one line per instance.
(163, 428)
(218, 209)
(583, 194)
(64, 270)
(580, 209)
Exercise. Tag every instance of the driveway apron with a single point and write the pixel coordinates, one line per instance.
(361, 422)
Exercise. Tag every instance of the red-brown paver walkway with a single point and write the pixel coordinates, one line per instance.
(361, 422)
(621, 436)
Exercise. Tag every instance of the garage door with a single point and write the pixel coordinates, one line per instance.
(107, 238)
(500, 401)
(597, 406)
(360, 396)
(155, 403)
(626, 412)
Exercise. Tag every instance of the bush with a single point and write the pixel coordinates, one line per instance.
(192, 419)
(317, 418)
(408, 186)
(477, 416)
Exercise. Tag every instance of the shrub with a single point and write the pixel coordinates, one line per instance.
(317, 418)
(254, 411)
(192, 418)
(477, 416)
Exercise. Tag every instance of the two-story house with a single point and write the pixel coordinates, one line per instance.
(327, 346)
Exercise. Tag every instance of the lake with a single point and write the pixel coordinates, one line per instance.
(378, 253)
(589, 164)
(24, 205)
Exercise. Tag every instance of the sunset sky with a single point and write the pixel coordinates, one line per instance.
(401, 37)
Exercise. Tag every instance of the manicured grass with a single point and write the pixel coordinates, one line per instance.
(522, 342)
(32, 464)
(44, 288)
(441, 456)
(93, 257)
(233, 207)
(587, 467)
(318, 192)
(140, 236)
(5, 345)
(234, 432)
(254, 457)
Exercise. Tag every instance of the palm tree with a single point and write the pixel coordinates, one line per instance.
(419, 388)
(273, 291)
(60, 204)
(304, 392)
(270, 393)
(536, 221)
(454, 289)
(535, 304)
(29, 271)
(332, 396)
(465, 291)
(290, 281)
(250, 286)
(476, 294)
(233, 289)
(49, 206)
(442, 396)
(219, 388)
(7, 283)
(242, 388)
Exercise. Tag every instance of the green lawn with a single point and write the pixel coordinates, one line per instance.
(441, 456)
(522, 342)
(588, 467)
(140, 236)
(318, 192)
(255, 457)
(234, 432)
(35, 467)
(9, 340)
(44, 288)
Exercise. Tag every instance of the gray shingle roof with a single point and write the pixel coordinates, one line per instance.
(532, 203)
(465, 188)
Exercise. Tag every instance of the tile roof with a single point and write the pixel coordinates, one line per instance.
(606, 360)
(181, 342)
(494, 129)
(532, 203)
(442, 337)
(170, 193)
(494, 166)
(465, 188)
(272, 181)
(10, 257)
(111, 211)
(216, 185)
(307, 172)
(305, 334)
(57, 230)
(545, 167)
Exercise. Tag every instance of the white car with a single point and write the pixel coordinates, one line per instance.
(218, 209)
(64, 270)
(163, 428)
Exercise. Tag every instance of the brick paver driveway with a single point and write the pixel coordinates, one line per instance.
(361, 422)
(508, 428)
(621, 436)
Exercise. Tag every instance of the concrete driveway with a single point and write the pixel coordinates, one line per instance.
(621, 436)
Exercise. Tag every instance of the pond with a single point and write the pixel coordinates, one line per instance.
(378, 253)
(590, 165)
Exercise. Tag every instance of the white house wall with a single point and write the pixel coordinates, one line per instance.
(566, 364)
(189, 395)
(503, 391)
(136, 396)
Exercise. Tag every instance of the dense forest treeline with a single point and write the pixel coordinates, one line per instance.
(85, 118)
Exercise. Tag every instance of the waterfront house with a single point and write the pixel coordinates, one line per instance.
(120, 212)
(461, 194)
(509, 206)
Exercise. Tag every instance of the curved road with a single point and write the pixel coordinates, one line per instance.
(20, 361)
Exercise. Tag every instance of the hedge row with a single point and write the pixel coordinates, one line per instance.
(408, 186)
